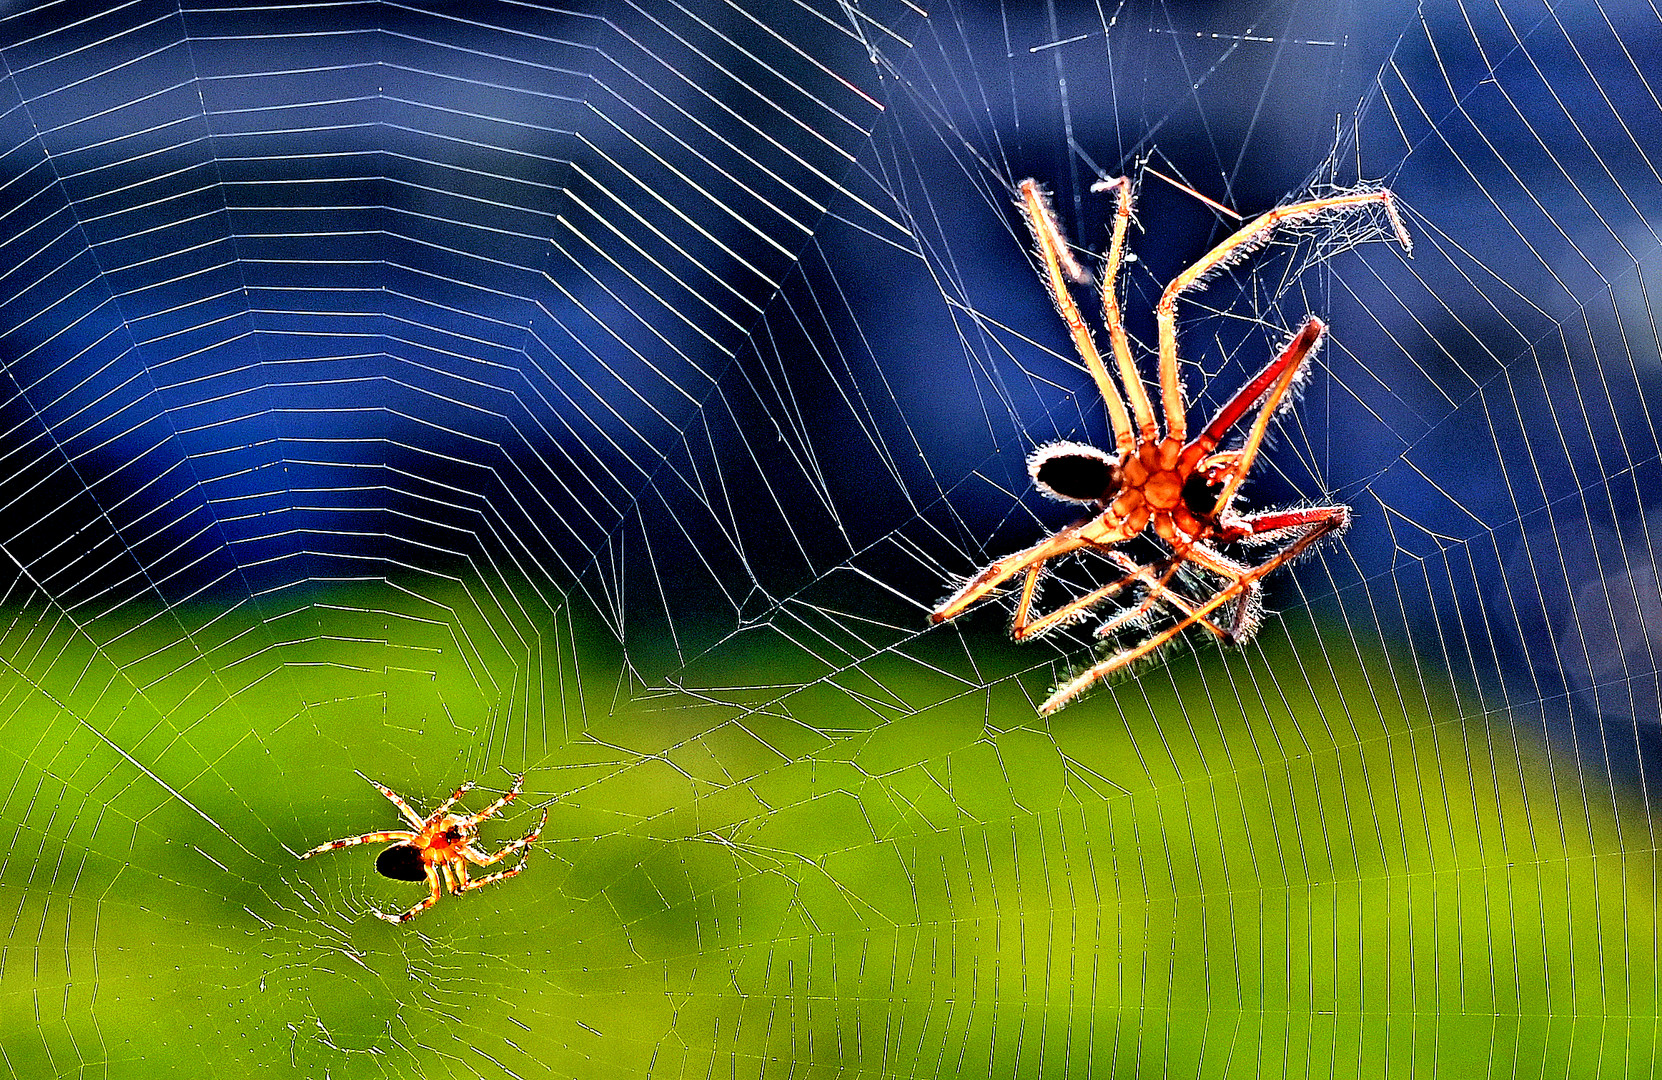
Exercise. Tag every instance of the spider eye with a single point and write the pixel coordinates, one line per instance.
(1074, 472)
(401, 862)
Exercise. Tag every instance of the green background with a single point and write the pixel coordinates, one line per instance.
(1292, 860)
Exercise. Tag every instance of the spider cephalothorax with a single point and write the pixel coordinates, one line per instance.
(439, 847)
(1180, 490)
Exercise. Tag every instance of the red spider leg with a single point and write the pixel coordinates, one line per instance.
(1243, 240)
(1240, 587)
(1292, 355)
(367, 838)
(398, 800)
(432, 897)
(1279, 375)
(491, 810)
(1269, 526)
(1041, 220)
(1149, 430)
(1093, 531)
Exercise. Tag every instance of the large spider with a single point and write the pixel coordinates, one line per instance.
(439, 847)
(1183, 490)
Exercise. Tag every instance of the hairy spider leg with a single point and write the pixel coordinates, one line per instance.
(1315, 522)
(1244, 622)
(1157, 593)
(1148, 429)
(1279, 374)
(401, 835)
(398, 800)
(1243, 240)
(1041, 220)
(1093, 531)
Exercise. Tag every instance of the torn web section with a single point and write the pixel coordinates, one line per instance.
(760, 528)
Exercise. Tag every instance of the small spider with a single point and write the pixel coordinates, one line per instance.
(439, 847)
(1182, 490)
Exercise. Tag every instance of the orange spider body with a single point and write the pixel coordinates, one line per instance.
(1181, 490)
(439, 847)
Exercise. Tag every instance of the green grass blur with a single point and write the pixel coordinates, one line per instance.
(1304, 859)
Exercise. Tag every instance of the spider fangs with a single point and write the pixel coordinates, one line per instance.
(438, 847)
(1182, 490)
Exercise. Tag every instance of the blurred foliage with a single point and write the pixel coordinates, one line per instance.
(1294, 860)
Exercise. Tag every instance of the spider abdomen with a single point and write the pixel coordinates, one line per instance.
(1074, 472)
(401, 862)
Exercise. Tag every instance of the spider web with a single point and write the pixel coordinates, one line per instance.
(609, 393)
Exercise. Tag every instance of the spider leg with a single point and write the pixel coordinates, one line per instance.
(398, 800)
(1243, 240)
(1094, 531)
(1074, 608)
(479, 858)
(1272, 383)
(1158, 592)
(1244, 622)
(1024, 605)
(1054, 250)
(366, 838)
(1269, 526)
(495, 807)
(996, 573)
(427, 902)
(1241, 587)
(491, 879)
(1149, 430)
(444, 807)
(1292, 355)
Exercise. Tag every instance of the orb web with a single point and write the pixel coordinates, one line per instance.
(609, 393)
